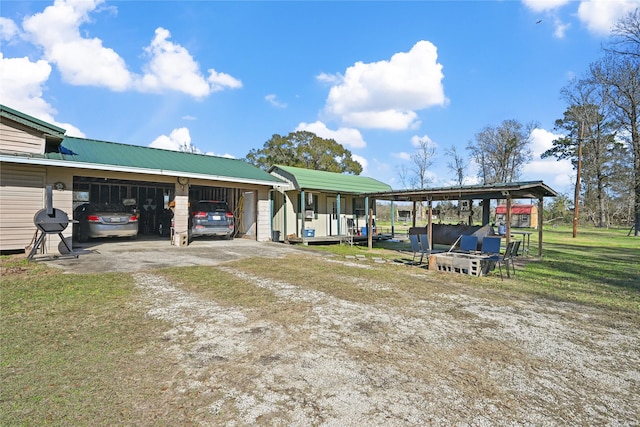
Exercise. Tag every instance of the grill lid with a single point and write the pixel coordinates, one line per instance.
(53, 222)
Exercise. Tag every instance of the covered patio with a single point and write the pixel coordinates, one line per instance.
(509, 192)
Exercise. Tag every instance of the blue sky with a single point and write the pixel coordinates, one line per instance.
(377, 77)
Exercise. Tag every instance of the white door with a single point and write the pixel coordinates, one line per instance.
(332, 226)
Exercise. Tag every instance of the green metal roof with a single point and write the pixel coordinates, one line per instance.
(309, 179)
(30, 121)
(139, 157)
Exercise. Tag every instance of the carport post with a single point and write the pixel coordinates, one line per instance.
(181, 216)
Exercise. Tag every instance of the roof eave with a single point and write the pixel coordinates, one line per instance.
(162, 172)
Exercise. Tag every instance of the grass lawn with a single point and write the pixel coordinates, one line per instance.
(81, 349)
(599, 266)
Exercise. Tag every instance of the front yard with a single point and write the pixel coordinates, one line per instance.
(314, 338)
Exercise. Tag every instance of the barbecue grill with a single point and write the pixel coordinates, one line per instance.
(49, 221)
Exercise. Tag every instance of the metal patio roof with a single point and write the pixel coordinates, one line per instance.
(514, 190)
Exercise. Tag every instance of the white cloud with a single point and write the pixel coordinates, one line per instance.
(601, 15)
(178, 140)
(348, 137)
(172, 67)
(8, 29)
(402, 155)
(598, 15)
(544, 5)
(386, 94)
(329, 78)
(21, 83)
(221, 81)
(227, 155)
(556, 173)
(363, 162)
(417, 141)
(86, 61)
(273, 100)
(81, 61)
(560, 29)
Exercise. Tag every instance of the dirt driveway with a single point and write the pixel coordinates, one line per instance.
(358, 342)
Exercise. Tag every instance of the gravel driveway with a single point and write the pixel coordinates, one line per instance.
(463, 356)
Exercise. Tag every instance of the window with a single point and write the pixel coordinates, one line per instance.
(308, 207)
(358, 207)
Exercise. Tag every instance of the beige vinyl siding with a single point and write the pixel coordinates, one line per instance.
(21, 196)
(19, 138)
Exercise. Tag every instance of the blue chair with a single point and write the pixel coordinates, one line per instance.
(425, 246)
(468, 243)
(424, 242)
(416, 248)
(491, 245)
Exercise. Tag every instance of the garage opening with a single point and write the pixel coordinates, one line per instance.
(150, 201)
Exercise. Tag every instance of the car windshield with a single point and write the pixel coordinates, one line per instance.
(212, 207)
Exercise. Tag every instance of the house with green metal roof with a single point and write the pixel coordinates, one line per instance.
(35, 154)
(321, 205)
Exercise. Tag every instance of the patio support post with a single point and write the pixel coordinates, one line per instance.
(486, 211)
(366, 214)
(370, 231)
(338, 213)
(393, 210)
(508, 236)
(414, 213)
(430, 226)
(540, 221)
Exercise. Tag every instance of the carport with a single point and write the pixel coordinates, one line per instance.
(155, 177)
(537, 190)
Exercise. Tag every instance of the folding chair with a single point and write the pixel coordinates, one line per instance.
(491, 248)
(491, 245)
(426, 247)
(416, 248)
(506, 258)
(424, 242)
(469, 243)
